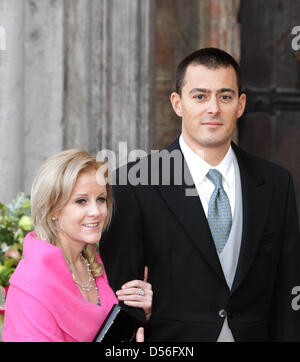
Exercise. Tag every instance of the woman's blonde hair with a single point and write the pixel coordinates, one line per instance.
(51, 190)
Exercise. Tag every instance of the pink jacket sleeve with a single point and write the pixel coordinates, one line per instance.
(27, 320)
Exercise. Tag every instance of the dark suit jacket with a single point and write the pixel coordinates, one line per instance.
(161, 227)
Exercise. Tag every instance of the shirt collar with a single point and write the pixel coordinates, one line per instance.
(226, 165)
(199, 168)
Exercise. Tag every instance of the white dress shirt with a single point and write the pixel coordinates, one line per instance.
(229, 169)
(199, 168)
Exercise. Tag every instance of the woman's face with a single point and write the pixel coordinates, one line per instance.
(81, 220)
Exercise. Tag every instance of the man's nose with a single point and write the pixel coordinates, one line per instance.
(213, 106)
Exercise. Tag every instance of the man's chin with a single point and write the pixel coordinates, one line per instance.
(212, 143)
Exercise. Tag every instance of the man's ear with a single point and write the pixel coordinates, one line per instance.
(242, 105)
(176, 103)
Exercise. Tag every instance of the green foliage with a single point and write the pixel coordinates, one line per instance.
(15, 223)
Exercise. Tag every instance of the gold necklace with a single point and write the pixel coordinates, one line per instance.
(89, 285)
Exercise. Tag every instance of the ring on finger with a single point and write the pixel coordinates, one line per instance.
(141, 292)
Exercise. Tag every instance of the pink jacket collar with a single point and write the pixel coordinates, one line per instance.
(44, 274)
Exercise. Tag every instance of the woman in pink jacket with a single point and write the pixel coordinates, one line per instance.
(59, 291)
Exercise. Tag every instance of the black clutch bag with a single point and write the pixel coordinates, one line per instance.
(119, 326)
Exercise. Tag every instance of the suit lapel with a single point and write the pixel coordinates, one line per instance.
(188, 210)
(256, 202)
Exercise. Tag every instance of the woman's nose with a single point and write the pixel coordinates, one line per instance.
(94, 209)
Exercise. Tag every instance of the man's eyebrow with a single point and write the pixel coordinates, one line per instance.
(223, 90)
(204, 90)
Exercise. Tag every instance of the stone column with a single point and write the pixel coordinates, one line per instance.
(43, 84)
(126, 67)
(109, 74)
(11, 98)
(78, 53)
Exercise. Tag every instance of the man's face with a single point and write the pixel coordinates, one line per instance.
(209, 106)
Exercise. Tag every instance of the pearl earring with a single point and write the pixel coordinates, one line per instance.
(53, 218)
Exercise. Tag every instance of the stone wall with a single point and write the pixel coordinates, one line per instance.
(108, 74)
(92, 73)
(74, 74)
(11, 98)
(181, 28)
(176, 35)
(43, 84)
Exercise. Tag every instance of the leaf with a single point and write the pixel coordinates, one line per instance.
(6, 236)
(5, 274)
(15, 222)
(26, 204)
(9, 263)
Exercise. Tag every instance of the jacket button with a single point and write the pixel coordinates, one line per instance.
(222, 313)
(230, 315)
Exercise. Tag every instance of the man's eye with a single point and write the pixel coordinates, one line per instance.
(200, 96)
(225, 97)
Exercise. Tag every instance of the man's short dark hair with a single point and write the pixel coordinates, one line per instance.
(211, 58)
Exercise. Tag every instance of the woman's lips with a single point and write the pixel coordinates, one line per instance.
(91, 226)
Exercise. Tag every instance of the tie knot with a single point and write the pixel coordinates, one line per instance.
(215, 177)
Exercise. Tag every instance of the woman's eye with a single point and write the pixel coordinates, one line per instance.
(102, 199)
(80, 201)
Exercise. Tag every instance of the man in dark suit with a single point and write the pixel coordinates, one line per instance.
(218, 228)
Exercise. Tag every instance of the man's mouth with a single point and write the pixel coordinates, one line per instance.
(212, 124)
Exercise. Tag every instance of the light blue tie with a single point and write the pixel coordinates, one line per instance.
(219, 212)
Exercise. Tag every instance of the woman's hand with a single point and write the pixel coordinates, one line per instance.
(137, 293)
(140, 335)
